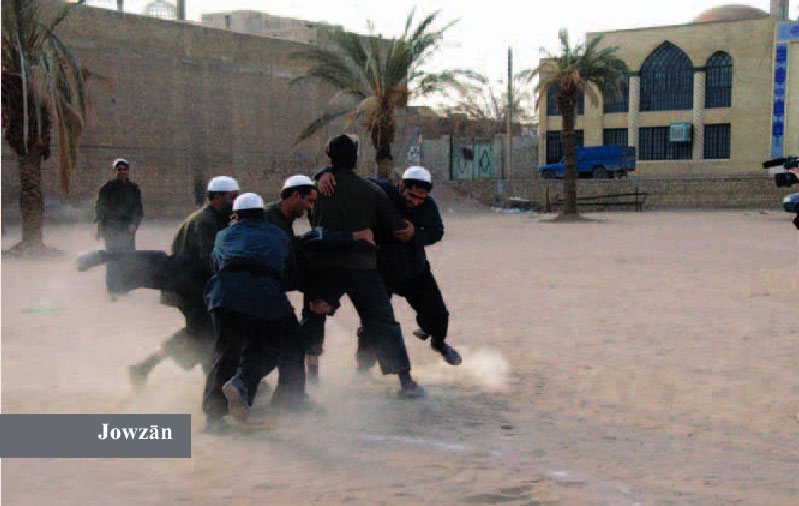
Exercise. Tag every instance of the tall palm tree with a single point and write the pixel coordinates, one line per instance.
(42, 84)
(574, 71)
(375, 76)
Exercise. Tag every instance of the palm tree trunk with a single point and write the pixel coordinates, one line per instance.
(567, 135)
(31, 200)
(383, 160)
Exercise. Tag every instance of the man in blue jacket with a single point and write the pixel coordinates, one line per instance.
(253, 320)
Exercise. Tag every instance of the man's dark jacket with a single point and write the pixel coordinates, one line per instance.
(119, 205)
(398, 261)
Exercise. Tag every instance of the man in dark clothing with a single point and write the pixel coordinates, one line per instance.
(403, 264)
(251, 315)
(118, 214)
(192, 246)
(357, 205)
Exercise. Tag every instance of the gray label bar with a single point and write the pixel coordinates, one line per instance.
(90, 436)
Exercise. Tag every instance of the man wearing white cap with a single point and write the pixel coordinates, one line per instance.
(403, 264)
(118, 214)
(254, 324)
(193, 243)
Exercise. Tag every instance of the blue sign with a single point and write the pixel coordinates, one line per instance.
(780, 71)
(788, 31)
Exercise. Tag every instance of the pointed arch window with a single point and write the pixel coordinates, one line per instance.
(718, 80)
(667, 80)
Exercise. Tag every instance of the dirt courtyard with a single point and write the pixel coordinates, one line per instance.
(640, 359)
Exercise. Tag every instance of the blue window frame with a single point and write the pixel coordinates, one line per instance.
(620, 102)
(654, 144)
(667, 80)
(717, 141)
(718, 80)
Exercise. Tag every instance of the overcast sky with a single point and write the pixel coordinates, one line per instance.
(480, 39)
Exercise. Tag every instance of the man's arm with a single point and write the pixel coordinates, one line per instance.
(388, 219)
(138, 210)
(429, 229)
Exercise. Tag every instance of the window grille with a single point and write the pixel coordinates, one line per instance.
(555, 148)
(614, 137)
(620, 102)
(717, 141)
(667, 80)
(653, 144)
(718, 81)
(552, 103)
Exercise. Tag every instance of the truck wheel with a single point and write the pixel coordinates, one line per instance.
(599, 172)
(548, 174)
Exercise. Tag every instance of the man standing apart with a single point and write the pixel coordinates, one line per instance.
(357, 205)
(192, 246)
(118, 214)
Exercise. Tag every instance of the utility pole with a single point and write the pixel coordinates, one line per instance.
(509, 157)
(121, 5)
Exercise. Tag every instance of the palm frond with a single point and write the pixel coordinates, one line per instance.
(320, 123)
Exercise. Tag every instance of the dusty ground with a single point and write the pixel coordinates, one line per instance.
(647, 358)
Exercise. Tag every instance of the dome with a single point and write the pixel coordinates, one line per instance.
(732, 12)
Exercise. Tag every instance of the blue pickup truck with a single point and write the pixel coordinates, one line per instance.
(595, 161)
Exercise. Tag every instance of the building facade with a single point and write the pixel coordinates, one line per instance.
(712, 97)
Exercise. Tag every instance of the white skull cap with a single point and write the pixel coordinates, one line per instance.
(248, 201)
(118, 161)
(223, 184)
(419, 173)
(298, 180)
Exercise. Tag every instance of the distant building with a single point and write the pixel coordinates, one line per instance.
(266, 25)
(713, 96)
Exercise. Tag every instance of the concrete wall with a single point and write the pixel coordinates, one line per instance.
(758, 192)
(182, 103)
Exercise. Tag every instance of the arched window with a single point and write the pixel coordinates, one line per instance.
(718, 80)
(552, 102)
(618, 102)
(667, 80)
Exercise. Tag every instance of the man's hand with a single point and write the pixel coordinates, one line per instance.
(132, 228)
(364, 235)
(320, 307)
(327, 184)
(406, 234)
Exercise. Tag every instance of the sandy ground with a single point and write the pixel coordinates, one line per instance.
(642, 359)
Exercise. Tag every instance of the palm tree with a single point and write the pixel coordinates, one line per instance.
(574, 71)
(42, 84)
(487, 103)
(374, 77)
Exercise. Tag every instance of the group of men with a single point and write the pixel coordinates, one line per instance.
(367, 241)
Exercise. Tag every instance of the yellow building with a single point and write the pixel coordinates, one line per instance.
(716, 96)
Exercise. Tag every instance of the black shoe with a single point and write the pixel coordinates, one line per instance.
(411, 390)
(450, 354)
(421, 334)
(236, 400)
